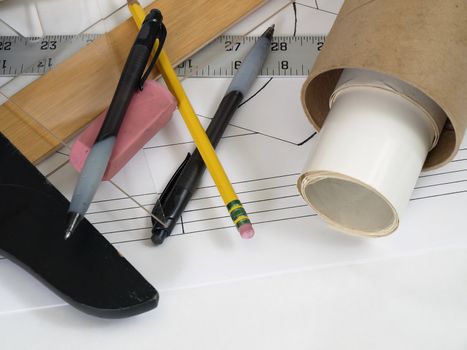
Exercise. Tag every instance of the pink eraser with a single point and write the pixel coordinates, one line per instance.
(246, 231)
(148, 112)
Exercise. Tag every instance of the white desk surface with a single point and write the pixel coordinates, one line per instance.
(297, 284)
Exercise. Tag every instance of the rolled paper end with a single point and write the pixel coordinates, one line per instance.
(371, 150)
(349, 205)
(246, 231)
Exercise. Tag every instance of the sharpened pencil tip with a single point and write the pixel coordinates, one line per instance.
(129, 2)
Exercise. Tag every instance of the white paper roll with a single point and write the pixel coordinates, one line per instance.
(370, 153)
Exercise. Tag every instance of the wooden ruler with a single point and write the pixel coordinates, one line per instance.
(67, 98)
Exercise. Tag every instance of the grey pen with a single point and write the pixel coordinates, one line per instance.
(178, 191)
(132, 78)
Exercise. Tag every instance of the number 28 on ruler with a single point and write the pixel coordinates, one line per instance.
(289, 55)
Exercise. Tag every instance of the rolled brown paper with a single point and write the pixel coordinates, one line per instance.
(421, 42)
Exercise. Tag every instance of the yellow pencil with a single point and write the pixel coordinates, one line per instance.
(233, 204)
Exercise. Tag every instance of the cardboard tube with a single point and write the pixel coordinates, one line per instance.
(421, 55)
(370, 153)
(420, 42)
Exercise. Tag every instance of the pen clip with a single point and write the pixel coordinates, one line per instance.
(173, 179)
(162, 34)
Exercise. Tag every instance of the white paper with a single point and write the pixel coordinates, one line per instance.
(289, 286)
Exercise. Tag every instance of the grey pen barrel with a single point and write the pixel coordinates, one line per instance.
(131, 77)
(91, 175)
(251, 65)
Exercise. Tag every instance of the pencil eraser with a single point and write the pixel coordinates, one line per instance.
(246, 231)
(148, 112)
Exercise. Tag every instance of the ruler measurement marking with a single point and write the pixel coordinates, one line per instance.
(289, 55)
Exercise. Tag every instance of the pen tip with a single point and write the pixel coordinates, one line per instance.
(246, 231)
(73, 220)
(68, 233)
(269, 32)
